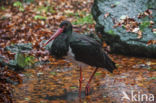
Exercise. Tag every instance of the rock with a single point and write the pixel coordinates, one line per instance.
(21, 60)
(107, 13)
(22, 47)
(11, 65)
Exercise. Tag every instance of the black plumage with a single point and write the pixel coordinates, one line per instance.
(89, 51)
(60, 46)
(84, 48)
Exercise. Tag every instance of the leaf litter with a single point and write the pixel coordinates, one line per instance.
(57, 81)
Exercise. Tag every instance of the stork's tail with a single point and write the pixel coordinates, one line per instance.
(109, 64)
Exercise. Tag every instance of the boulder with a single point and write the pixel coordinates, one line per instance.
(128, 26)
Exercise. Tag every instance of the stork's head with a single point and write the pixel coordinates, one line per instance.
(65, 28)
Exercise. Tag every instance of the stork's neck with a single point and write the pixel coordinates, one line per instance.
(68, 33)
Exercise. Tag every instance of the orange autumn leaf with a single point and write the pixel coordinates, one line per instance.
(139, 34)
(151, 42)
(106, 15)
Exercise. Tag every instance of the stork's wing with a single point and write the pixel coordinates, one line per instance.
(89, 51)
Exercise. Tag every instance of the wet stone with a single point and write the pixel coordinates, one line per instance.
(108, 12)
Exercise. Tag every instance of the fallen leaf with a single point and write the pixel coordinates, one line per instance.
(151, 42)
(139, 34)
(106, 15)
(135, 30)
(154, 31)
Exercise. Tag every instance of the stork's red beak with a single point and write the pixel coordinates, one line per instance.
(57, 33)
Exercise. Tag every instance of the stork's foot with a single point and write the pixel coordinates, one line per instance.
(87, 89)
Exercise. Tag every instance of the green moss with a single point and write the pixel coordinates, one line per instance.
(19, 5)
(53, 73)
(111, 32)
(40, 17)
(97, 74)
(29, 60)
(72, 87)
(2, 8)
(117, 3)
(70, 14)
(45, 9)
(153, 78)
(84, 20)
(28, 1)
(24, 61)
(144, 25)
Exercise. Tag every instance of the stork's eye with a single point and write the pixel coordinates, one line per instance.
(65, 24)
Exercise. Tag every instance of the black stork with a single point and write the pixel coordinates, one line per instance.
(84, 49)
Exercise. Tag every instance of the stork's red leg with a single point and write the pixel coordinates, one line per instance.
(80, 81)
(88, 84)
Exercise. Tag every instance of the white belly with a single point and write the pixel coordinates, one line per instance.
(71, 58)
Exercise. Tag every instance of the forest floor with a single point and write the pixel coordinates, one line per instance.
(58, 81)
